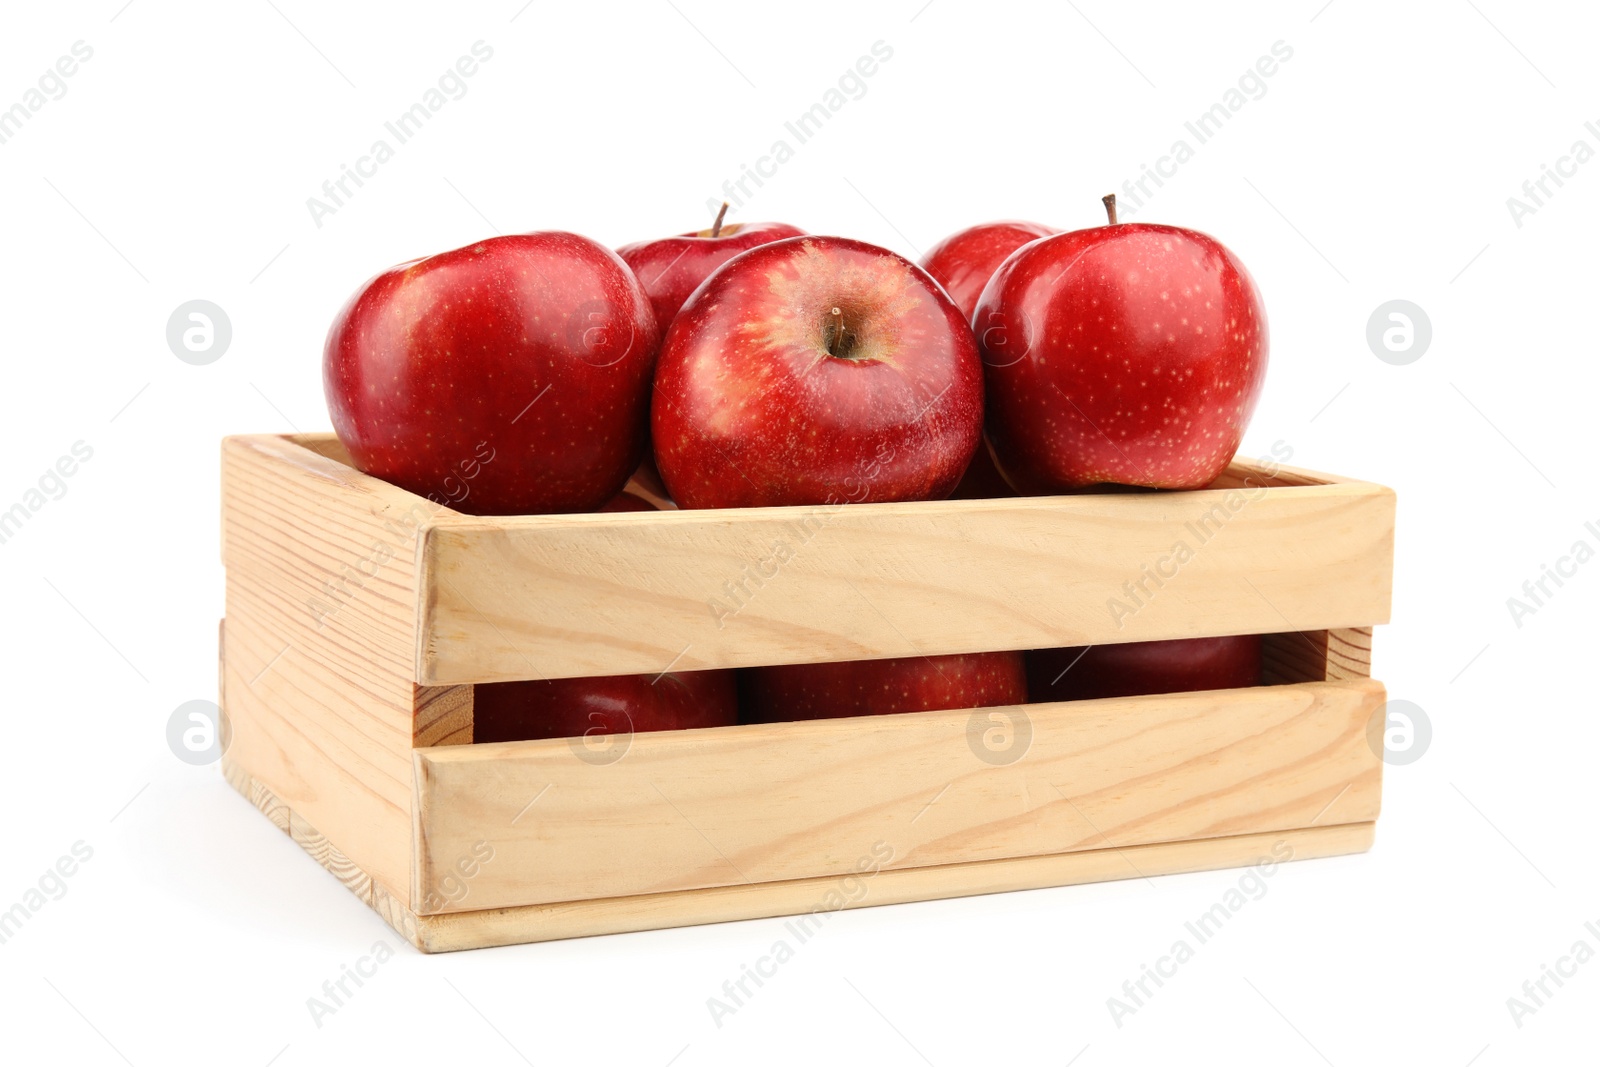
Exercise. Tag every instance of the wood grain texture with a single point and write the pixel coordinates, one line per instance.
(696, 808)
(276, 811)
(1317, 655)
(335, 862)
(326, 444)
(319, 644)
(359, 615)
(812, 899)
(571, 596)
(1244, 473)
(1350, 653)
(443, 716)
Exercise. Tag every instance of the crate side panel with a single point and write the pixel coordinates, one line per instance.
(539, 596)
(815, 900)
(739, 805)
(319, 645)
(335, 862)
(1248, 474)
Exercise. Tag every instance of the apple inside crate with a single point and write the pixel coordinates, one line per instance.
(359, 617)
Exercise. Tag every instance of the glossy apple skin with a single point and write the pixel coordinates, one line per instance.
(1144, 667)
(964, 262)
(751, 410)
(620, 704)
(882, 686)
(511, 376)
(1131, 353)
(672, 268)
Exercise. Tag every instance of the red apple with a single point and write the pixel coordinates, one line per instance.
(506, 377)
(883, 686)
(1142, 667)
(816, 370)
(672, 268)
(964, 262)
(626, 703)
(1129, 353)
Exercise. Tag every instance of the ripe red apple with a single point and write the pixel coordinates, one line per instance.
(1142, 667)
(883, 686)
(1129, 353)
(673, 267)
(816, 370)
(964, 262)
(620, 704)
(507, 377)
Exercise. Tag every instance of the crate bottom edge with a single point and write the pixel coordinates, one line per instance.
(810, 900)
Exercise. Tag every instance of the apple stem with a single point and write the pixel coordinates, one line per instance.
(716, 227)
(836, 342)
(1110, 201)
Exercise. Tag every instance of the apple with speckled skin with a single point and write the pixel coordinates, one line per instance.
(511, 376)
(1139, 668)
(816, 370)
(618, 704)
(1130, 353)
(672, 268)
(964, 262)
(882, 686)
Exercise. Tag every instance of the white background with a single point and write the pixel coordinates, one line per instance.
(1376, 166)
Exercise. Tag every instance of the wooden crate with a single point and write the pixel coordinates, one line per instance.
(359, 616)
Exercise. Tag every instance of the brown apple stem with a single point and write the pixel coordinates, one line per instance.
(716, 227)
(836, 342)
(1110, 201)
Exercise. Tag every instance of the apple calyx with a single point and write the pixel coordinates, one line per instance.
(839, 342)
(1109, 200)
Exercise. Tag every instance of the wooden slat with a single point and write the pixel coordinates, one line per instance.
(319, 645)
(1315, 656)
(1249, 474)
(443, 716)
(1350, 653)
(332, 859)
(1242, 472)
(276, 811)
(329, 446)
(812, 899)
(572, 596)
(1290, 658)
(697, 808)
(323, 444)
